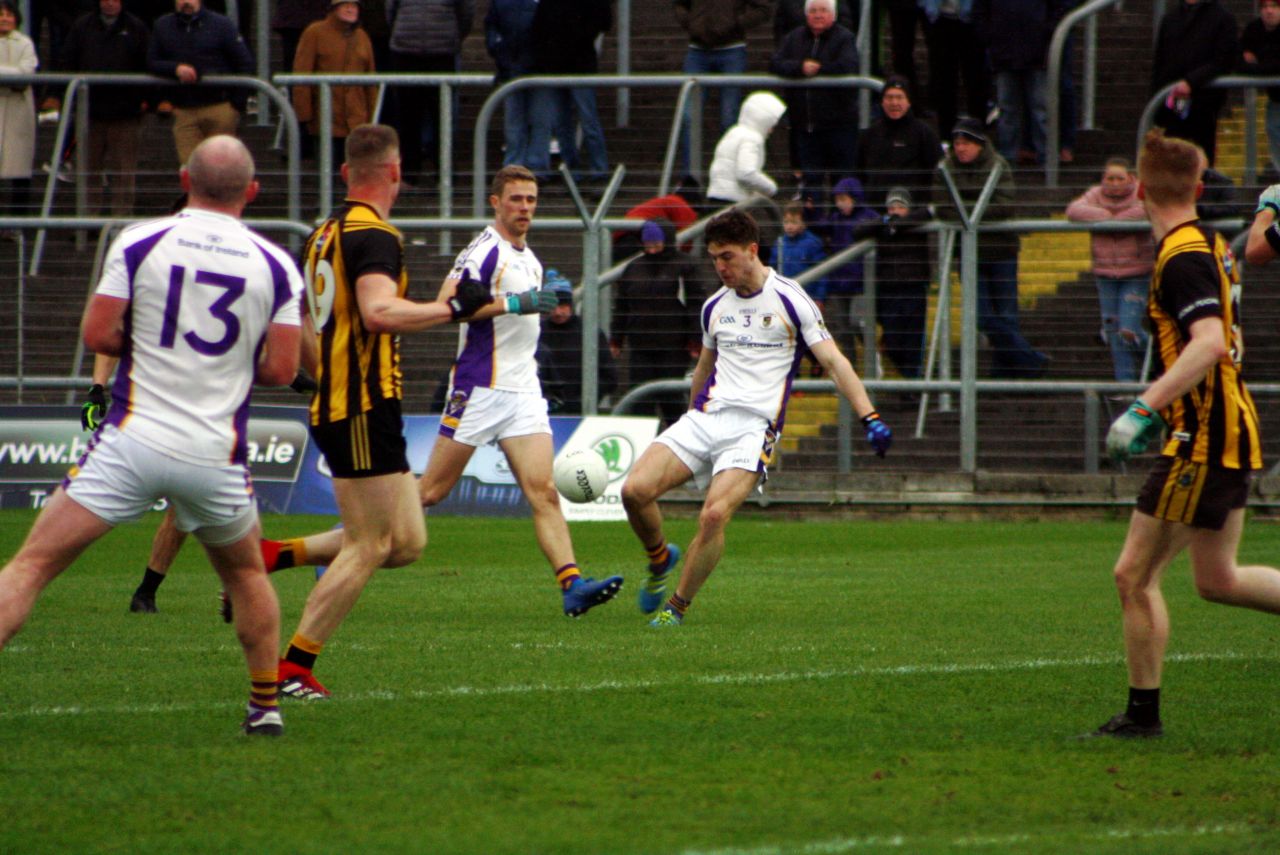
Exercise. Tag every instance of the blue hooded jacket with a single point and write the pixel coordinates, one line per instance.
(839, 230)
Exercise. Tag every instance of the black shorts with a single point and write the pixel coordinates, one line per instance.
(366, 445)
(1195, 494)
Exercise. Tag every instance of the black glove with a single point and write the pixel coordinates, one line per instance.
(303, 384)
(94, 409)
(469, 298)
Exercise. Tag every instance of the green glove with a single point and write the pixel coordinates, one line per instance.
(1133, 431)
(541, 302)
(94, 409)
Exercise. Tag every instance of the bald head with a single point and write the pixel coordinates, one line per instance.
(220, 171)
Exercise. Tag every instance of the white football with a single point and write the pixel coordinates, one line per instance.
(581, 475)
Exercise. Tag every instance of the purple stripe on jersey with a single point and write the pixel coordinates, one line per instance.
(707, 308)
(704, 394)
(801, 350)
(135, 254)
(122, 389)
(475, 363)
(487, 267)
(279, 279)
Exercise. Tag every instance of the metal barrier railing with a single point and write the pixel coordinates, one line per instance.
(1251, 85)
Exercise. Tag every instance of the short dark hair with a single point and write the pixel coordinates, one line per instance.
(733, 227)
(368, 147)
(16, 9)
(507, 174)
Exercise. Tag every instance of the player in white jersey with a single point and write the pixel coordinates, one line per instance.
(755, 331)
(494, 393)
(198, 308)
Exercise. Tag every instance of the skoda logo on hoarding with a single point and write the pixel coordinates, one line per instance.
(618, 454)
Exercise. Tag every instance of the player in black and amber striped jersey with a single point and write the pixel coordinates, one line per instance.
(1195, 496)
(356, 287)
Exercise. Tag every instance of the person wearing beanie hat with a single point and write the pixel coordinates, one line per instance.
(898, 149)
(737, 169)
(336, 45)
(559, 352)
(822, 143)
(969, 162)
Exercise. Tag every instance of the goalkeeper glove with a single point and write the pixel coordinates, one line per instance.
(303, 384)
(542, 301)
(1269, 198)
(470, 297)
(94, 409)
(1133, 431)
(878, 434)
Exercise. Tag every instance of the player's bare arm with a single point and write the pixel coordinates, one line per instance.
(278, 364)
(1259, 250)
(102, 326)
(842, 373)
(1207, 346)
(309, 346)
(384, 312)
(701, 371)
(540, 302)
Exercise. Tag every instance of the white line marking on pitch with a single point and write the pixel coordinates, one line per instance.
(924, 669)
(898, 841)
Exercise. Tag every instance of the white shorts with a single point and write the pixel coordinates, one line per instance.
(488, 415)
(709, 443)
(118, 479)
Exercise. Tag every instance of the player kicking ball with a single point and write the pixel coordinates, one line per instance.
(1194, 498)
(755, 331)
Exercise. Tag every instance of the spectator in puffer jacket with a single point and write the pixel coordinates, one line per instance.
(426, 36)
(1122, 263)
(737, 170)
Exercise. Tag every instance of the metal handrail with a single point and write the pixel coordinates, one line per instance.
(485, 117)
(1226, 81)
(1057, 45)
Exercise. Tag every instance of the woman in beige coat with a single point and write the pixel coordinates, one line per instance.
(17, 108)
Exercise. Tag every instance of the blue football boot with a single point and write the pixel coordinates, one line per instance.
(586, 594)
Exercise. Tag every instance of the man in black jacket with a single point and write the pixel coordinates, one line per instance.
(190, 44)
(898, 149)
(822, 120)
(560, 353)
(655, 315)
(111, 39)
(1196, 42)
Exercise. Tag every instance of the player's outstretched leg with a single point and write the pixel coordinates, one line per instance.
(662, 561)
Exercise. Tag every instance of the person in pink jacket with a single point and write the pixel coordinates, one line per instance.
(1122, 263)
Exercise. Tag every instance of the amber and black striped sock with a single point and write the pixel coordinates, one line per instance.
(303, 651)
(264, 694)
(679, 604)
(657, 556)
(567, 575)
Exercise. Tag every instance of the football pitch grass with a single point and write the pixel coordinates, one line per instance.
(837, 687)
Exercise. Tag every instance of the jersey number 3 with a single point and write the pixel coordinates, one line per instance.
(220, 310)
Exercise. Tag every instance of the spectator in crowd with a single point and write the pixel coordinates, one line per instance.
(835, 297)
(426, 36)
(508, 36)
(718, 45)
(1260, 46)
(564, 42)
(1195, 43)
(337, 45)
(822, 139)
(1122, 263)
(681, 207)
(737, 169)
(17, 108)
(560, 352)
(190, 44)
(115, 40)
(955, 51)
(289, 20)
(902, 278)
(970, 162)
(904, 17)
(1017, 34)
(898, 149)
(655, 315)
(790, 14)
(797, 249)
